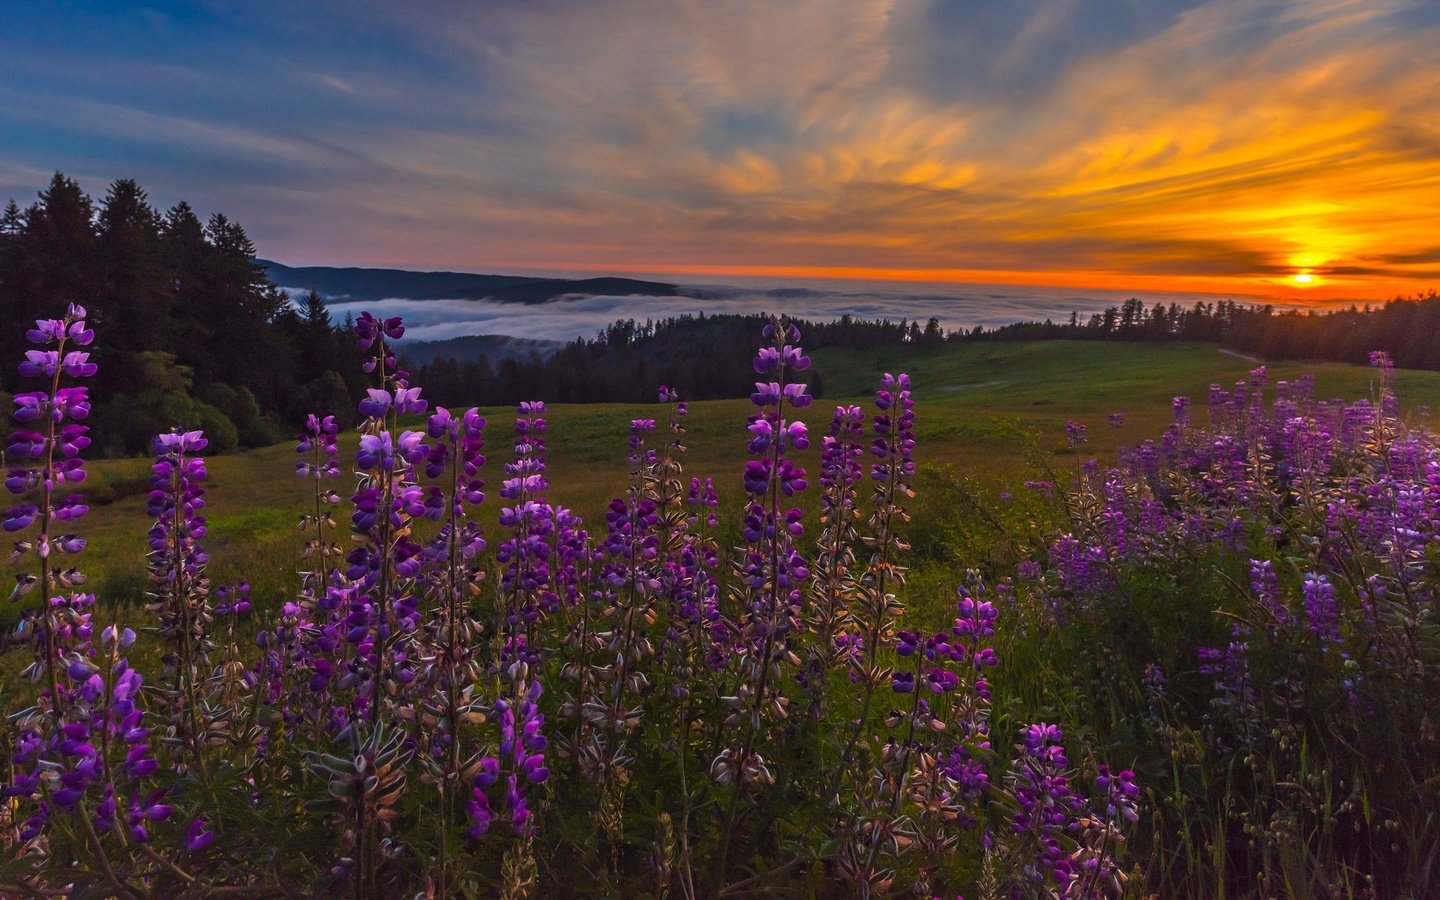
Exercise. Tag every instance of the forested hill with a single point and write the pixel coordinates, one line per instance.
(361, 285)
(368, 285)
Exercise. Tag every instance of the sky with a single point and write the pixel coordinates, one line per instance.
(1275, 148)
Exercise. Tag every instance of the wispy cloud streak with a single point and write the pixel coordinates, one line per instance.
(1222, 146)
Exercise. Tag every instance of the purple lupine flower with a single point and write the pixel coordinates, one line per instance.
(1321, 614)
(40, 363)
(941, 681)
(320, 440)
(177, 563)
(18, 518)
(382, 610)
(773, 571)
(1181, 408)
(1267, 590)
(1121, 793)
(198, 836)
(46, 331)
(77, 365)
(478, 809)
(60, 739)
(151, 809)
(376, 403)
(31, 406)
(376, 451)
(27, 445)
(906, 643)
(1047, 808)
(408, 401)
(525, 554)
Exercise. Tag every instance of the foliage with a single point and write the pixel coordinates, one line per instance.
(785, 692)
(168, 284)
(1248, 608)
(1401, 327)
(541, 709)
(627, 357)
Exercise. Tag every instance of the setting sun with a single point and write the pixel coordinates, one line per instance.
(1304, 278)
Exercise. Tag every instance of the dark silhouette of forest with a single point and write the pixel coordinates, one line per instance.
(195, 334)
(1406, 327)
(703, 357)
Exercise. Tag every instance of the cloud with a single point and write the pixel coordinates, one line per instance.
(1203, 146)
(956, 307)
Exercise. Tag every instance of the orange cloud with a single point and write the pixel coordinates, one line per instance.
(1282, 148)
(1242, 145)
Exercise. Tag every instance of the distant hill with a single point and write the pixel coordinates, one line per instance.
(495, 347)
(543, 291)
(369, 285)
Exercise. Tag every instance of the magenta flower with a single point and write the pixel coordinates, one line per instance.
(78, 333)
(198, 836)
(941, 681)
(408, 402)
(40, 363)
(72, 403)
(376, 403)
(19, 517)
(77, 365)
(46, 331)
(26, 445)
(31, 406)
(180, 443)
(376, 452)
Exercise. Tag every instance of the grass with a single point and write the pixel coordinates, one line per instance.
(973, 401)
(987, 415)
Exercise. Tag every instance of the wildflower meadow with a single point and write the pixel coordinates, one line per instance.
(1208, 666)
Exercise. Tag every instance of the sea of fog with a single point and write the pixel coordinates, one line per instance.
(957, 306)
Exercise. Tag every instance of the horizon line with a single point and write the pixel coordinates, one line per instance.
(1314, 295)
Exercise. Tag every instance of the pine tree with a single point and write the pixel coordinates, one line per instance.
(135, 293)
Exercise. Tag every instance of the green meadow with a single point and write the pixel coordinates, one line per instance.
(997, 410)
(990, 417)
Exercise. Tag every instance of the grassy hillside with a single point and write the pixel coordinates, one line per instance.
(974, 402)
(1132, 618)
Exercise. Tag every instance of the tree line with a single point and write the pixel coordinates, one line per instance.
(703, 357)
(195, 332)
(1405, 326)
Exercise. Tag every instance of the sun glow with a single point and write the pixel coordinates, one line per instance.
(1303, 278)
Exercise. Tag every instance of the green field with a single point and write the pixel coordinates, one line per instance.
(975, 405)
(989, 417)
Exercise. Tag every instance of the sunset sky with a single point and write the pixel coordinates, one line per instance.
(1280, 149)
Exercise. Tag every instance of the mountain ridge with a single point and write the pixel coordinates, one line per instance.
(358, 284)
